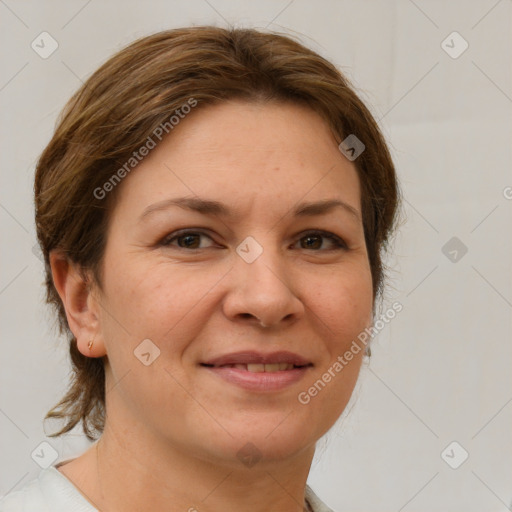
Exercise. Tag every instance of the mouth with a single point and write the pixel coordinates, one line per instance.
(259, 360)
(258, 367)
(259, 372)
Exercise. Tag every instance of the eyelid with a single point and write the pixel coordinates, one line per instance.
(339, 242)
(182, 232)
(335, 239)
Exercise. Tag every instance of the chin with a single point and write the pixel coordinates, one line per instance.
(262, 441)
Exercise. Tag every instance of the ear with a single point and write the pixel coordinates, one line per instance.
(75, 288)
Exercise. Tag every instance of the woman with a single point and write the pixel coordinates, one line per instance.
(212, 211)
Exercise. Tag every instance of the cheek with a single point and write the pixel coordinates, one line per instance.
(153, 303)
(343, 307)
(158, 301)
(344, 303)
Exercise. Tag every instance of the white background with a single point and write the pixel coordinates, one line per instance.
(440, 371)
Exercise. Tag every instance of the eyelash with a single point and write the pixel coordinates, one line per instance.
(339, 244)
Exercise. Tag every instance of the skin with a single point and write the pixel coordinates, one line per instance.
(173, 429)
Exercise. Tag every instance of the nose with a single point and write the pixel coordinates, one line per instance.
(263, 292)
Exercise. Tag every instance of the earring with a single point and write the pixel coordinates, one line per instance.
(90, 344)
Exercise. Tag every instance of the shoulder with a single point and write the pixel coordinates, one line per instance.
(49, 492)
(316, 504)
(30, 497)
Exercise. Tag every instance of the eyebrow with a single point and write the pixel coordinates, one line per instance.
(210, 207)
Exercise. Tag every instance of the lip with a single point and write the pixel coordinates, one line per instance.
(258, 381)
(262, 381)
(253, 357)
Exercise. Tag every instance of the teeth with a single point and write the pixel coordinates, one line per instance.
(274, 367)
(259, 368)
(255, 368)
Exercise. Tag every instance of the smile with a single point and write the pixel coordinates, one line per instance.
(259, 368)
(259, 378)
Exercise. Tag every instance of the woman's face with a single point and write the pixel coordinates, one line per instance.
(242, 281)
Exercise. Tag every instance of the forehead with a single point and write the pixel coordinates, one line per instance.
(265, 156)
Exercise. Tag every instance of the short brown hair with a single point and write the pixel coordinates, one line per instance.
(134, 93)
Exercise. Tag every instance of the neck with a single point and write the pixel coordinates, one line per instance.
(131, 472)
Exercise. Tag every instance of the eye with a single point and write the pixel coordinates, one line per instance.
(186, 239)
(314, 241)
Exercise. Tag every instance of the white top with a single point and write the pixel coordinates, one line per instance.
(53, 492)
